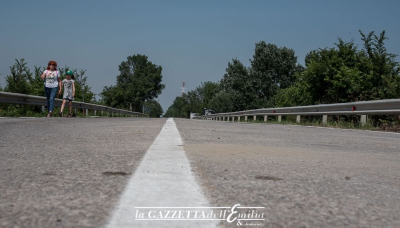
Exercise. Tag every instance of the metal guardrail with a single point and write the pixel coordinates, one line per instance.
(18, 98)
(363, 108)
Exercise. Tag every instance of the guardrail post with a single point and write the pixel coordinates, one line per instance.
(228, 118)
(254, 118)
(245, 118)
(43, 110)
(233, 119)
(86, 111)
(102, 113)
(75, 111)
(279, 118)
(238, 119)
(112, 114)
(298, 119)
(363, 120)
(324, 119)
(265, 118)
(95, 112)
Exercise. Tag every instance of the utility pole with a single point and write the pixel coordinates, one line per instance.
(183, 88)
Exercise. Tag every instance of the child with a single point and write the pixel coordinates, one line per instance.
(69, 92)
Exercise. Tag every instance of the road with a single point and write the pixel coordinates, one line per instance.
(95, 172)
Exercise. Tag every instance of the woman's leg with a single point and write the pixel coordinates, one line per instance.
(47, 92)
(53, 93)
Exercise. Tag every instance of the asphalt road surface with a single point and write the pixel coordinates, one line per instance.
(79, 172)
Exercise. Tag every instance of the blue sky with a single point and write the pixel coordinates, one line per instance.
(192, 40)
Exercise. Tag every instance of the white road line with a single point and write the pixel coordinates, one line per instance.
(163, 179)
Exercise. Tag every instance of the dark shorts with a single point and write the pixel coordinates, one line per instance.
(67, 99)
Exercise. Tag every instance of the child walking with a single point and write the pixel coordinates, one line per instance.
(69, 92)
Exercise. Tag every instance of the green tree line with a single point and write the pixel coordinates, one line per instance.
(342, 73)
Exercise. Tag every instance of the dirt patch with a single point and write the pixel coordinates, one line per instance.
(268, 178)
(111, 173)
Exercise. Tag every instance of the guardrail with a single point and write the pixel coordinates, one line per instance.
(362, 108)
(18, 98)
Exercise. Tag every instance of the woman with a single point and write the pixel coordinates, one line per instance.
(52, 81)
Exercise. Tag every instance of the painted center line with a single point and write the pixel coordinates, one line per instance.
(163, 179)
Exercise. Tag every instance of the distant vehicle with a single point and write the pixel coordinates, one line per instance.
(193, 115)
(207, 111)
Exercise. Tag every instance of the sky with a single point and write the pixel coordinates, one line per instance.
(192, 40)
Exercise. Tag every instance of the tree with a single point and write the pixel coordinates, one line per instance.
(139, 80)
(37, 83)
(344, 74)
(112, 96)
(179, 108)
(206, 91)
(272, 68)
(333, 74)
(19, 79)
(222, 102)
(384, 81)
(153, 108)
(194, 101)
(237, 83)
